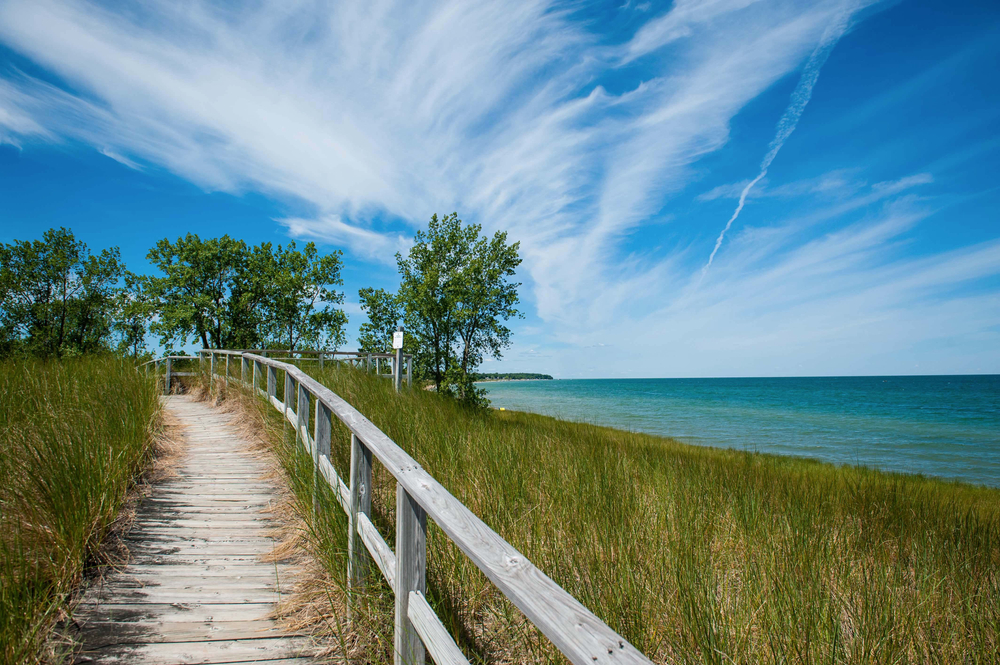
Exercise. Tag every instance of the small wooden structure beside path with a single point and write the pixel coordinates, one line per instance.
(196, 589)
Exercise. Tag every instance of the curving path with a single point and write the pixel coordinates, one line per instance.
(195, 589)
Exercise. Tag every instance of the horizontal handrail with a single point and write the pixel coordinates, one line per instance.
(157, 360)
(329, 354)
(576, 631)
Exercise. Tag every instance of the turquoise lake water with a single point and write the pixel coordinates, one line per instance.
(945, 426)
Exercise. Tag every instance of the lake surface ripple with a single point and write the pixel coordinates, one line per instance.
(945, 426)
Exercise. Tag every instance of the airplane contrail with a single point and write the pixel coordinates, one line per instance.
(788, 122)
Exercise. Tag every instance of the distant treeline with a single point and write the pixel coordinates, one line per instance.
(57, 299)
(509, 376)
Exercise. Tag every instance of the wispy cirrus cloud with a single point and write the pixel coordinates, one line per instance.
(372, 245)
(848, 302)
(410, 108)
(371, 116)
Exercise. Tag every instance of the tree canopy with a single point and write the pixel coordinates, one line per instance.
(455, 297)
(384, 312)
(455, 294)
(228, 295)
(56, 298)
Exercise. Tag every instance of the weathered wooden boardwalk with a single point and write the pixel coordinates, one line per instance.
(195, 589)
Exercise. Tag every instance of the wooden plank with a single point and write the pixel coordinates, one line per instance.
(195, 653)
(360, 503)
(217, 522)
(170, 613)
(107, 633)
(411, 566)
(181, 560)
(340, 489)
(261, 580)
(378, 548)
(204, 571)
(432, 632)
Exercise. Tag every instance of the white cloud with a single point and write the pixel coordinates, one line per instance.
(379, 247)
(361, 111)
(121, 159)
(412, 108)
(848, 302)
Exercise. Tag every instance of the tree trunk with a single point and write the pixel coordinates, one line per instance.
(62, 317)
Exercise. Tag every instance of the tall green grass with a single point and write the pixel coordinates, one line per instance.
(73, 436)
(695, 555)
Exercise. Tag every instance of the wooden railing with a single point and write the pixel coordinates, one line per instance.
(168, 362)
(582, 637)
(368, 361)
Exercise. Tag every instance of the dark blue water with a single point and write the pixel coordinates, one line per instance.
(945, 426)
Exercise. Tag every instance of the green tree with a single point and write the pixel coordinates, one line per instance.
(384, 314)
(57, 298)
(428, 291)
(298, 309)
(200, 292)
(229, 295)
(135, 308)
(486, 298)
(456, 295)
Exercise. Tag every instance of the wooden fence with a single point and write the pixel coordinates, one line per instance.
(582, 637)
(168, 365)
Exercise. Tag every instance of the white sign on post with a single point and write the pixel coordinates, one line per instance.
(397, 339)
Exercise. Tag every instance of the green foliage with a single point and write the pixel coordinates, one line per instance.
(385, 312)
(135, 309)
(208, 291)
(294, 310)
(228, 295)
(58, 299)
(75, 435)
(456, 295)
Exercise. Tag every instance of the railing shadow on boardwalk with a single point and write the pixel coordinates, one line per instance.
(579, 634)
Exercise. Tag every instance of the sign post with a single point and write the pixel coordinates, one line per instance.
(397, 366)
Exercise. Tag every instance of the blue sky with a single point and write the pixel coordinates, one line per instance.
(613, 140)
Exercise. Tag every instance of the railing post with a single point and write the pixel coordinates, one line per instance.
(254, 374)
(409, 371)
(302, 415)
(368, 365)
(289, 396)
(166, 385)
(211, 368)
(411, 567)
(361, 502)
(321, 354)
(397, 363)
(272, 382)
(321, 445)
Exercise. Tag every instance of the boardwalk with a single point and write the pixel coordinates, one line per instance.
(195, 589)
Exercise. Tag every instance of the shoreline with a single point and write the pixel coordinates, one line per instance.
(789, 458)
(893, 430)
(508, 380)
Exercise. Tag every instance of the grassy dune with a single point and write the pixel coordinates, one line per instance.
(696, 555)
(73, 436)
